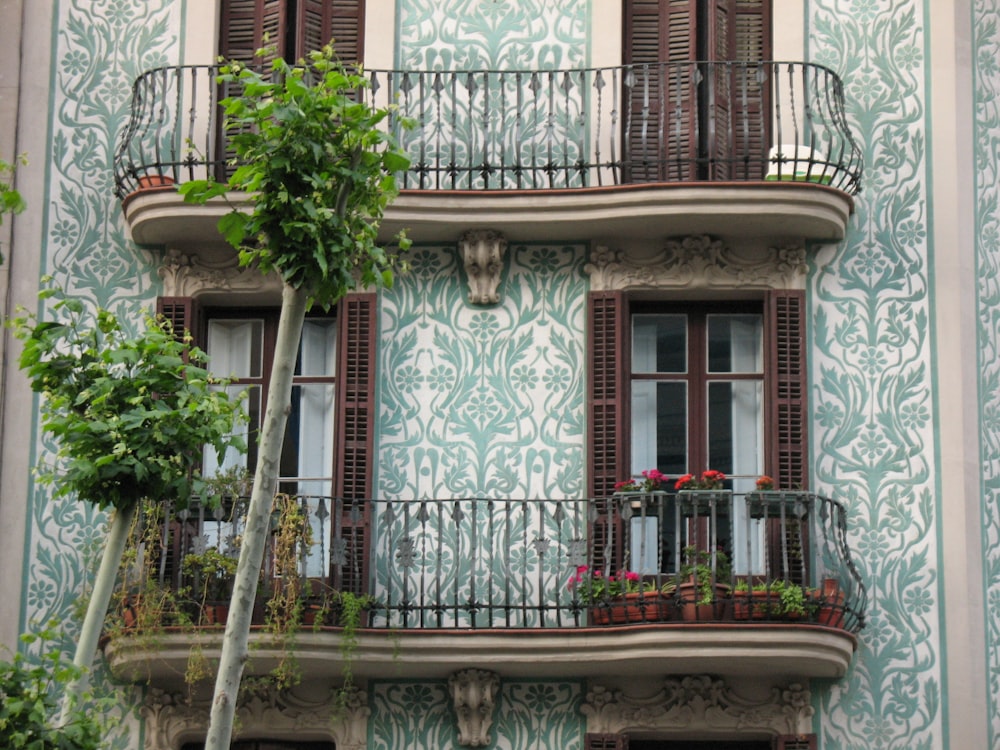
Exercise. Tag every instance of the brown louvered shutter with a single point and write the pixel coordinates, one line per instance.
(689, 122)
(183, 314)
(608, 420)
(245, 24)
(660, 44)
(354, 435)
(795, 742)
(319, 21)
(605, 742)
(785, 427)
(751, 94)
(786, 378)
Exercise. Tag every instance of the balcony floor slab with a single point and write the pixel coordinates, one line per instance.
(768, 210)
(773, 650)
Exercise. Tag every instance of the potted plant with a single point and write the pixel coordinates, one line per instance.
(211, 572)
(617, 599)
(653, 480)
(774, 600)
(703, 591)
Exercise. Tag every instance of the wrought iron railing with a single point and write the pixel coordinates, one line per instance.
(543, 129)
(498, 563)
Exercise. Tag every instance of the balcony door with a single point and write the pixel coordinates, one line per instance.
(696, 104)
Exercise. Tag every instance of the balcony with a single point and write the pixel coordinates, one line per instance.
(629, 152)
(497, 583)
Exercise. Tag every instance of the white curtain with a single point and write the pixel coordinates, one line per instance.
(747, 399)
(231, 347)
(315, 438)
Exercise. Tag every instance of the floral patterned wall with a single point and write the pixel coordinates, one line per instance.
(871, 378)
(483, 401)
(986, 63)
(100, 49)
(539, 714)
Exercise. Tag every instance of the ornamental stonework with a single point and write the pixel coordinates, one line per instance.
(698, 262)
(699, 703)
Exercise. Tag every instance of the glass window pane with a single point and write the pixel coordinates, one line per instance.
(659, 426)
(235, 348)
(317, 353)
(212, 462)
(735, 429)
(736, 343)
(659, 343)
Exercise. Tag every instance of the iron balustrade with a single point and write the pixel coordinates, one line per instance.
(498, 563)
(543, 129)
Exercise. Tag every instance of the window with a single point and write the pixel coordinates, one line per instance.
(328, 447)
(697, 390)
(684, 388)
(240, 345)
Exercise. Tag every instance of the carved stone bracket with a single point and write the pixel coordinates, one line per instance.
(698, 262)
(482, 253)
(473, 694)
(702, 704)
(172, 720)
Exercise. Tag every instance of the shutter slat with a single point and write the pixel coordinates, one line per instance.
(354, 438)
(607, 359)
(787, 387)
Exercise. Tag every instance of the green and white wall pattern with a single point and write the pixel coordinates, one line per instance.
(871, 386)
(986, 67)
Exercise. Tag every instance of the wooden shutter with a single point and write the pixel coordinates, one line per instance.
(786, 382)
(785, 427)
(244, 24)
(319, 21)
(689, 122)
(660, 44)
(354, 435)
(605, 742)
(184, 314)
(607, 420)
(795, 742)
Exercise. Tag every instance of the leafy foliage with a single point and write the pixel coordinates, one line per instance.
(131, 413)
(10, 199)
(320, 170)
(28, 704)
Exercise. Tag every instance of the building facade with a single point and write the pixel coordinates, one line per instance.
(638, 243)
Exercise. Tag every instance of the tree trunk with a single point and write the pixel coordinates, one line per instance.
(97, 608)
(235, 649)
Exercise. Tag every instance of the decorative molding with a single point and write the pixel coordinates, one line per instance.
(171, 719)
(189, 275)
(483, 252)
(700, 704)
(473, 694)
(699, 262)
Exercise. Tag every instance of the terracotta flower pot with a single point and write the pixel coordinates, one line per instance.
(155, 181)
(651, 607)
(688, 597)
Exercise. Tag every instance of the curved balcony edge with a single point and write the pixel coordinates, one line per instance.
(801, 651)
(773, 211)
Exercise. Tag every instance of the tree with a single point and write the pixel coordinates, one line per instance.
(132, 414)
(10, 199)
(320, 171)
(27, 703)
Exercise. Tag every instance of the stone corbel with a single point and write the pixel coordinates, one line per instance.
(482, 254)
(473, 694)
